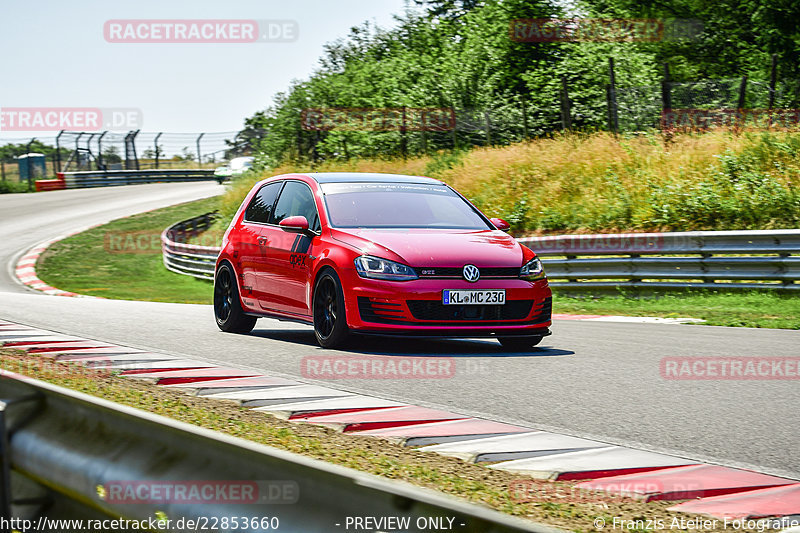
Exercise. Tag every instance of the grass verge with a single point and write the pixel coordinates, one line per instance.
(554, 503)
(748, 309)
(122, 259)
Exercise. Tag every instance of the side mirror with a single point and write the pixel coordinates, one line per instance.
(297, 224)
(500, 224)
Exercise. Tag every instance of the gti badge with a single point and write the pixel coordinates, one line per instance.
(471, 273)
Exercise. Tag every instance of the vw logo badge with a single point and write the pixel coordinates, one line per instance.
(471, 273)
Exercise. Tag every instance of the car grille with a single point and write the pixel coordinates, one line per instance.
(486, 272)
(545, 312)
(388, 312)
(434, 310)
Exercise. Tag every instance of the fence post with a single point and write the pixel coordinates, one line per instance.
(344, 145)
(89, 151)
(155, 144)
(100, 164)
(29, 164)
(740, 118)
(76, 153)
(666, 90)
(131, 159)
(773, 78)
(299, 144)
(613, 118)
(566, 111)
(742, 92)
(488, 128)
(199, 155)
(403, 139)
(58, 149)
(455, 127)
(525, 130)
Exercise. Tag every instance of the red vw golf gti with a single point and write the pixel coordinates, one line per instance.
(377, 254)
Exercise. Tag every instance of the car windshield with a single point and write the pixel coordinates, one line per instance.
(399, 205)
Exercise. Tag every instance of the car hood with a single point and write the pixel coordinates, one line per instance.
(437, 247)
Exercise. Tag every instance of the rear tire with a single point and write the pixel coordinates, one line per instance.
(520, 344)
(228, 310)
(330, 322)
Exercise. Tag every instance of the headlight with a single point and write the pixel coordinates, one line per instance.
(532, 270)
(368, 266)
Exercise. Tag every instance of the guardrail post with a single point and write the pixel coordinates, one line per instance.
(782, 270)
(632, 268)
(568, 270)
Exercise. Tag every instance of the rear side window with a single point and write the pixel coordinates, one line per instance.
(297, 200)
(260, 208)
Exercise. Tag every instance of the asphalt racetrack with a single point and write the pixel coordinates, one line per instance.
(600, 380)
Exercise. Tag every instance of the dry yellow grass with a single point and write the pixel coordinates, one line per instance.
(600, 182)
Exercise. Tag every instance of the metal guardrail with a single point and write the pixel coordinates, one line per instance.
(63, 452)
(109, 178)
(758, 259)
(189, 259)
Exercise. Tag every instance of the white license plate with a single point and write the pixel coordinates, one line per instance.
(473, 297)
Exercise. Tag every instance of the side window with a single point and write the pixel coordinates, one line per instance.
(260, 208)
(297, 200)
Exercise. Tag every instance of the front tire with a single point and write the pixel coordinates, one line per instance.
(228, 310)
(330, 322)
(520, 344)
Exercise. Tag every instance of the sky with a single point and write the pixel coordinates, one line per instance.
(56, 55)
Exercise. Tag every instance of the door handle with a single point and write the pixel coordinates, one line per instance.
(263, 240)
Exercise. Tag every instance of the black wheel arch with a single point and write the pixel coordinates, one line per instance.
(227, 262)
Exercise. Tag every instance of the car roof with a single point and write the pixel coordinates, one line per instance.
(369, 177)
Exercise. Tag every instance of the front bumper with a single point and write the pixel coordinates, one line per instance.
(415, 308)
